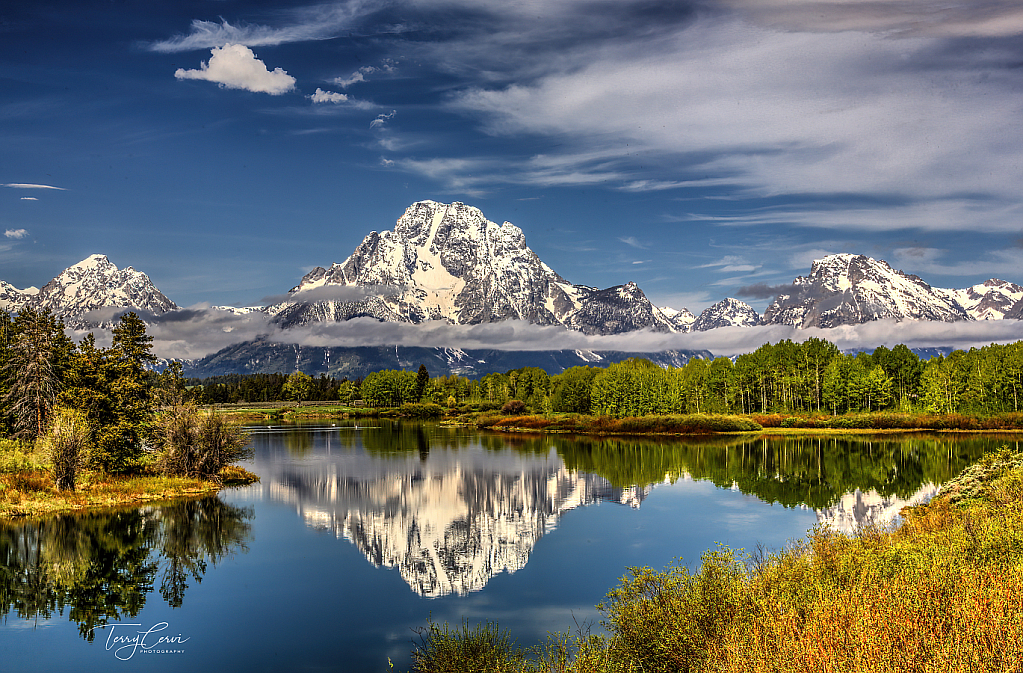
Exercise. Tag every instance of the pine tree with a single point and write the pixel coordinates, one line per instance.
(35, 364)
(422, 378)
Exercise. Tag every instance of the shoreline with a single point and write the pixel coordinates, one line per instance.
(30, 493)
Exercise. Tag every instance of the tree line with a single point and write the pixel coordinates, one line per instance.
(788, 377)
(95, 407)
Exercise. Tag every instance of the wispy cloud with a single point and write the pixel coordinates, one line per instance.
(382, 119)
(16, 233)
(631, 240)
(29, 198)
(730, 264)
(235, 66)
(22, 185)
(356, 77)
(317, 22)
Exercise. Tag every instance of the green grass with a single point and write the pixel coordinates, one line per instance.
(26, 485)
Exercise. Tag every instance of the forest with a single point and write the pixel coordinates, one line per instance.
(787, 377)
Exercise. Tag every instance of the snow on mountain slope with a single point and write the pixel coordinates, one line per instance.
(726, 313)
(12, 299)
(850, 289)
(95, 283)
(989, 300)
(448, 262)
(681, 320)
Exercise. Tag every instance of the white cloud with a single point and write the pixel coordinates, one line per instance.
(29, 198)
(21, 185)
(235, 66)
(322, 96)
(317, 22)
(382, 119)
(201, 330)
(782, 112)
(16, 233)
(730, 264)
(631, 241)
(978, 18)
(357, 76)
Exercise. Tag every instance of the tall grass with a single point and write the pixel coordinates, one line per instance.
(942, 592)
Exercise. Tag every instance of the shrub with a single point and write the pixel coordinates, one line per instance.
(19, 456)
(198, 445)
(514, 407)
(420, 410)
(67, 442)
(442, 649)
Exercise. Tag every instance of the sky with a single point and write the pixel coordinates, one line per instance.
(699, 149)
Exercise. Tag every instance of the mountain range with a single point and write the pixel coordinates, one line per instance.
(448, 263)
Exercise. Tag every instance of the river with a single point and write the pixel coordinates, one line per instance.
(360, 532)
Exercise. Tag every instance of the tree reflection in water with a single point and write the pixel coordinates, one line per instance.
(101, 566)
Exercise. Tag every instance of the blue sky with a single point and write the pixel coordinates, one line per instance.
(692, 147)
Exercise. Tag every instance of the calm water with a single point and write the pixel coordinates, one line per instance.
(358, 533)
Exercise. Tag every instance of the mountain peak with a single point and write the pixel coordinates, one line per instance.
(95, 283)
(449, 262)
(847, 289)
(728, 312)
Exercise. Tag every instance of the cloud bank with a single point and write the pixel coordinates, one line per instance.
(200, 330)
(235, 66)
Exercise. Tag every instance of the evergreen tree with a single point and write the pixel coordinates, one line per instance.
(422, 378)
(35, 364)
(119, 441)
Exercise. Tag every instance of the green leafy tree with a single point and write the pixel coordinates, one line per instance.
(346, 392)
(298, 387)
(572, 390)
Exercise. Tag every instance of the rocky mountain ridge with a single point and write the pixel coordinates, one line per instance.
(447, 262)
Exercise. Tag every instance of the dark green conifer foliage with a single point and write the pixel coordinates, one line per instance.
(422, 378)
(36, 359)
(120, 441)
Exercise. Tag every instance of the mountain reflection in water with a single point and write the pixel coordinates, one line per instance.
(450, 509)
(101, 566)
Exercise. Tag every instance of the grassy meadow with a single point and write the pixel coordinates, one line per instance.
(27, 486)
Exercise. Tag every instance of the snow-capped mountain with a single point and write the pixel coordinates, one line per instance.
(849, 289)
(726, 313)
(448, 262)
(12, 299)
(989, 300)
(682, 320)
(618, 309)
(93, 284)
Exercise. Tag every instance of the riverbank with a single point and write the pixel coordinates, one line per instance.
(483, 417)
(686, 424)
(30, 492)
(944, 591)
